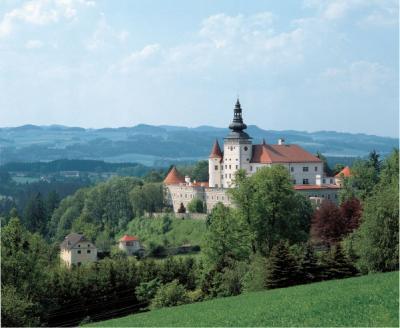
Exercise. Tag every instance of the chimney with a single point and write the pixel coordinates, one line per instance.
(281, 141)
(187, 179)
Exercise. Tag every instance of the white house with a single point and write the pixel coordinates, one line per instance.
(130, 245)
(77, 250)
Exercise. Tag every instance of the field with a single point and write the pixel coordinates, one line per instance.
(371, 300)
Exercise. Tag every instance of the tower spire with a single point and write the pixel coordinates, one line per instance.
(237, 124)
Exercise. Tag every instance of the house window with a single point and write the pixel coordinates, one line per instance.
(226, 166)
(230, 166)
(305, 181)
(245, 148)
(216, 186)
(323, 180)
(294, 181)
(305, 168)
(251, 168)
(331, 181)
(79, 251)
(216, 167)
(88, 251)
(226, 175)
(329, 196)
(79, 263)
(129, 243)
(316, 168)
(292, 169)
(237, 166)
(88, 245)
(229, 175)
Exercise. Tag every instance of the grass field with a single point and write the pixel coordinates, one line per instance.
(364, 301)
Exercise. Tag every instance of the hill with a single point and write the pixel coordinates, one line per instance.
(371, 300)
(163, 145)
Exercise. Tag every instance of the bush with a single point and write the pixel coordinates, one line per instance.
(254, 279)
(147, 290)
(195, 295)
(170, 294)
(196, 205)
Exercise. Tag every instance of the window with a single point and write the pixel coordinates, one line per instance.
(226, 175)
(323, 180)
(230, 166)
(216, 186)
(79, 251)
(216, 167)
(305, 168)
(329, 196)
(245, 148)
(230, 175)
(237, 166)
(88, 245)
(251, 168)
(79, 245)
(79, 263)
(292, 169)
(226, 166)
(331, 181)
(316, 168)
(305, 181)
(88, 251)
(294, 181)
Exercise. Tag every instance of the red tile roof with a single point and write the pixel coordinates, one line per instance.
(200, 184)
(128, 238)
(315, 187)
(345, 172)
(267, 154)
(216, 151)
(173, 177)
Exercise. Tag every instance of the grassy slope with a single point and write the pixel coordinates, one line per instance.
(364, 301)
(180, 231)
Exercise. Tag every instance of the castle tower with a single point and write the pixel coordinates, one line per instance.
(237, 148)
(215, 166)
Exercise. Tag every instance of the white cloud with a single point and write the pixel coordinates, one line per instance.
(33, 44)
(41, 12)
(138, 57)
(104, 35)
(359, 76)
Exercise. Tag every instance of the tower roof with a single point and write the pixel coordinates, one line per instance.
(173, 177)
(216, 151)
(237, 126)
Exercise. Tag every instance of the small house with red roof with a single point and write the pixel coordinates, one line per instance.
(345, 173)
(239, 152)
(130, 245)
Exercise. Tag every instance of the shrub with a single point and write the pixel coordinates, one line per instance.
(254, 279)
(170, 294)
(195, 295)
(147, 290)
(196, 205)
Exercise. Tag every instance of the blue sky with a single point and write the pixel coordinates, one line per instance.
(301, 65)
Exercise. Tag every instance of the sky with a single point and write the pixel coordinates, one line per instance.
(296, 65)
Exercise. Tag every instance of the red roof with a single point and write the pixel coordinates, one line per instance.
(268, 154)
(128, 238)
(345, 172)
(216, 151)
(315, 187)
(200, 184)
(173, 177)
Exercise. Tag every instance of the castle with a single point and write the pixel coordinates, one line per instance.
(306, 170)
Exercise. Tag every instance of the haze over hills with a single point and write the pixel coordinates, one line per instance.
(164, 144)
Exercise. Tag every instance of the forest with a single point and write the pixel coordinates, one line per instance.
(273, 238)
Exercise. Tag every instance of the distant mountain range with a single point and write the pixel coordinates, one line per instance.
(163, 145)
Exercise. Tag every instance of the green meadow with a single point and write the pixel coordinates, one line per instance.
(371, 300)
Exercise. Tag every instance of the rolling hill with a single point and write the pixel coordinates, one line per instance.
(368, 301)
(163, 145)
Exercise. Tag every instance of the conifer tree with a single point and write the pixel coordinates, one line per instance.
(337, 265)
(282, 269)
(309, 267)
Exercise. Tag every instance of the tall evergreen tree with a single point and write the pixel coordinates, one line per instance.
(309, 268)
(35, 215)
(337, 265)
(282, 269)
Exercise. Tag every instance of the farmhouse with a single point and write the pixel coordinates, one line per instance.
(77, 250)
(239, 152)
(130, 245)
